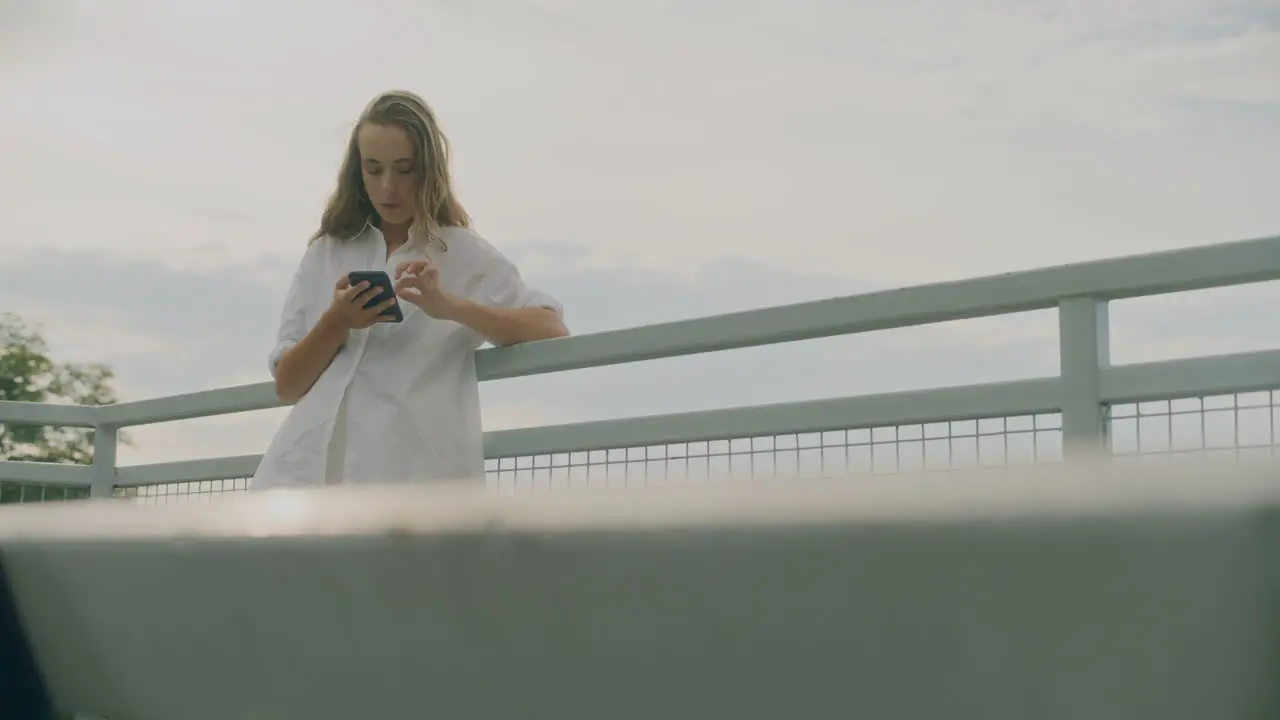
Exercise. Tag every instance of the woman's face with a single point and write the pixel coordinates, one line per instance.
(387, 164)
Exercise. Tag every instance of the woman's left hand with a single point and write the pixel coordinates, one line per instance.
(418, 282)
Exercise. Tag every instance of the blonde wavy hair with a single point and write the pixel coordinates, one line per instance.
(436, 206)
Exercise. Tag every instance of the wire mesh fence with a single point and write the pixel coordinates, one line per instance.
(885, 450)
(1242, 425)
(20, 492)
(182, 491)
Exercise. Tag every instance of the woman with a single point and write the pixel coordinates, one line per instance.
(376, 401)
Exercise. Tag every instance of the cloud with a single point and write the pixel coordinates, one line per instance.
(164, 329)
(897, 141)
(29, 29)
(1205, 322)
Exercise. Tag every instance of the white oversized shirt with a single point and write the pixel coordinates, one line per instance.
(400, 402)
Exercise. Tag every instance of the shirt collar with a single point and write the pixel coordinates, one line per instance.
(416, 236)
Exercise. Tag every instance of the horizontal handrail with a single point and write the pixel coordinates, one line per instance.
(223, 401)
(30, 413)
(1121, 383)
(1201, 376)
(206, 469)
(1235, 263)
(1023, 397)
(1224, 374)
(1019, 397)
(63, 474)
(1134, 276)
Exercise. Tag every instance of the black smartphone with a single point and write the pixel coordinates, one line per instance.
(381, 280)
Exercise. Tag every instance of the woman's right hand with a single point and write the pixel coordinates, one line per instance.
(348, 307)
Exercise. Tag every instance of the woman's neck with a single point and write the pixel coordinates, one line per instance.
(395, 236)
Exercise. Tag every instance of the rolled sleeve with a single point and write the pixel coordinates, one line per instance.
(504, 287)
(531, 297)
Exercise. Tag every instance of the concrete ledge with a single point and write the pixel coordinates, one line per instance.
(1040, 593)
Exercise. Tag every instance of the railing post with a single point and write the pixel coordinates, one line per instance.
(105, 439)
(1084, 348)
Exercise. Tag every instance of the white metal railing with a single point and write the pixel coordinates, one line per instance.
(1079, 397)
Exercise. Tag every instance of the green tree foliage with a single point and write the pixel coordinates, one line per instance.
(28, 374)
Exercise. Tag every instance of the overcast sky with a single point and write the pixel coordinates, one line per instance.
(162, 164)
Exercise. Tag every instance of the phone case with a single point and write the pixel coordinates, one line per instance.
(382, 281)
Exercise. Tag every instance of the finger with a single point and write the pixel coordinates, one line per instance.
(369, 313)
(361, 295)
(412, 267)
(377, 314)
(367, 296)
(382, 308)
(351, 292)
(379, 306)
(427, 276)
(343, 283)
